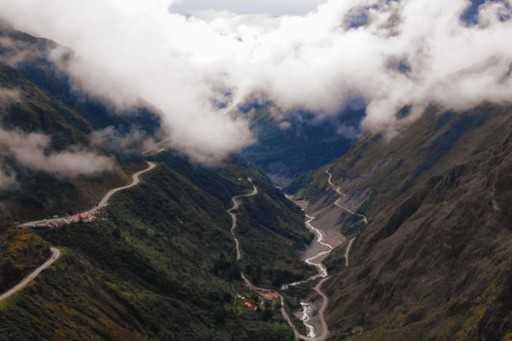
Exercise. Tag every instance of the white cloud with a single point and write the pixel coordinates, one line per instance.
(14, 52)
(8, 96)
(133, 142)
(268, 7)
(31, 151)
(391, 53)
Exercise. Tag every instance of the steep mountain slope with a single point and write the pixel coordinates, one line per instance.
(46, 102)
(159, 264)
(36, 193)
(434, 261)
(31, 57)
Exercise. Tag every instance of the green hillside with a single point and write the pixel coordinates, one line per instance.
(434, 261)
(158, 264)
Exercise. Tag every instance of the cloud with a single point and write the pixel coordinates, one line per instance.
(133, 142)
(14, 51)
(8, 96)
(196, 71)
(268, 7)
(348, 132)
(31, 151)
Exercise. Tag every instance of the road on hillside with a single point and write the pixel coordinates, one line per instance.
(21, 285)
(55, 252)
(337, 203)
(322, 273)
(102, 204)
(340, 193)
(135, 181)
(234, 219)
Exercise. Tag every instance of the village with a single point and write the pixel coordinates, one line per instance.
(258, 300)
(57, 222)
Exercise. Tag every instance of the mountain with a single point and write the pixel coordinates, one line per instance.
(38, 193)
(159, 261)
(30, 56)
(415, 228)
(433, 262)
(49, 104)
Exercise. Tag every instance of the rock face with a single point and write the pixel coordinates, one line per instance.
(434, 262)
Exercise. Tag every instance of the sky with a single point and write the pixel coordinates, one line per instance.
(268, 7)
(196, 70)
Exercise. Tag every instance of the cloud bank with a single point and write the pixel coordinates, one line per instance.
(196, 71)
(31, 151)
(14, 52)
(268, 7)
(133, 142)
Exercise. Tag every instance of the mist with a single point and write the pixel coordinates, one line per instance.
(195, 71)
(32, 151)
(134, 142)
(8, 96)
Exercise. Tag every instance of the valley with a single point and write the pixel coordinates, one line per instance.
(313, 335)
(265, 171)
(317, 330)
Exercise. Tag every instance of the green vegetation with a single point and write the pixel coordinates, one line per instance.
(21, 252)
(158, 264)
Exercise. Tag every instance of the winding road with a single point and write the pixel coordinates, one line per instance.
(26, 281)
(313, 261)
(135, 181)
(234, 219)
(340, 193)
(55, 253)
(104, 202)
(337, 203)
(347, 251)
